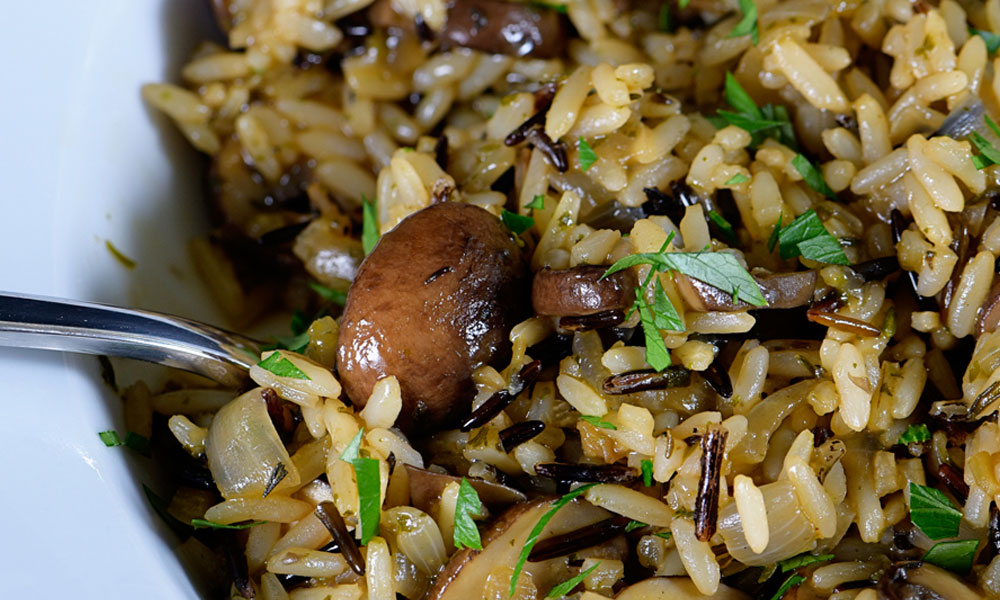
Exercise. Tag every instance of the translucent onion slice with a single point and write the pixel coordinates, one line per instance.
(789, 532)
(243, 450)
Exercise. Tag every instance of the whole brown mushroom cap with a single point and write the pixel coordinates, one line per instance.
(435, 299)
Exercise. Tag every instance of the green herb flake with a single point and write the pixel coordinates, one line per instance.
(734, 180)
(597, 422)
(739, 99)
(717, 269)
(118, 255)
(329, 294)
(466, 533)
(369, 225)
(915, 434)
(665, 22)
(537, 203)
(657, 354)
(559, 8)
(666, 535)
(297, 343)
(988, 154)
(646, 466)
(664, 313)
(684, 3)
(955, 556)
(812, 176)
(203, 524)
(137, 442)
(633, 525)
(110, 438)
(350, 453)
(806, 236)
(802, 560)
(748, 24)
(775, 233)
(933, 513)
(992, 39)
(587, 155)
(536, 531)
(282, 367)
(518, 224)
(567, 586)
(725, 226)
(366, 471)
(792, 581)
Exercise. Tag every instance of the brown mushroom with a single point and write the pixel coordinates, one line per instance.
(426, 488)
(434, 300)
(493, 26)
(917, 580)
(675, 588)
(781, 290)
(465, 575)
(580, 291)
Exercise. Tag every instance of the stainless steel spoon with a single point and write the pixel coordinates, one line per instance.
(90, 328)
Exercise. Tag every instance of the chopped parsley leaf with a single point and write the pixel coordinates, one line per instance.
(518, 224)
(802, 560)
(366, 471)
(587, 155)
(734, 180)
(792, 581)
(466, 533)
(633, 525)
(933, 513)
(110, 438)
(915, 434)
(281, 366)
(992, 39)
(369, 225)
(806, 236)
(748, 24)
(597, 422)
(350, 453)
(647, 472)
(725, 226)
(955, 556)
(537, 203)
(812, 176)
(329, 294)
(567, 586)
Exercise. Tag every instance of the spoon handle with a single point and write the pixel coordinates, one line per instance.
(71, 326)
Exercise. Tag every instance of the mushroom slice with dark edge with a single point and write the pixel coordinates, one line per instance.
(492, 26)
(466, 573)
(923, 581)
(426, 488)
(675, 588)
(781, 290)
(581, 291)
(431, 333)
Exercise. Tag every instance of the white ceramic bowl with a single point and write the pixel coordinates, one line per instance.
(84, 161)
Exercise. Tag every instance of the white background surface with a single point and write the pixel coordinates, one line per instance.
(84, 161)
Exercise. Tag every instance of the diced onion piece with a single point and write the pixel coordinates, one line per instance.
(243, 449)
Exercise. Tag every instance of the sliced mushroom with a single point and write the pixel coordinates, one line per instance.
(581, 291)
(781, 290)
(433, 301)
(465, 576)
(923, 581)
(426, 488)
(675, 588)
(493, 26)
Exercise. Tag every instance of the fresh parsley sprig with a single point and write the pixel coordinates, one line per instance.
(598, 422)
(955, 556)
(518, 224)
(807, 237)
(646, 466)
(812, 176)
(988, 154)
(366, 472)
